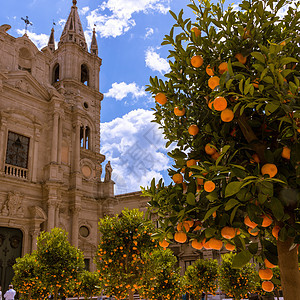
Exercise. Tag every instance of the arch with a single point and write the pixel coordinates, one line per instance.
(84, 74)
(55, 73)
(25, 60)
(85, 137)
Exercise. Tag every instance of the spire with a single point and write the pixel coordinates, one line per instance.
(73, 31)
(51, 42)
(94, 46)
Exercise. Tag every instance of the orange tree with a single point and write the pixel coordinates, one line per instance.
(27, 277)
(89, 284)
(237, 283)
(120, 262)
(201, 277)
(59, 262)
(161, 278)
(234, 88)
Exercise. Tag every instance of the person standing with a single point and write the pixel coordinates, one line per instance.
(0, 292)
(10, 294)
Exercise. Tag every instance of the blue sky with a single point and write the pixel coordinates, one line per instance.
(129, 34)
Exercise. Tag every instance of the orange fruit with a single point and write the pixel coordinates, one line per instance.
(252, 232)
(209, 186)
(237, 231)
(193, 129)
(255, 83)
(227, 115)
(249, 223)
(197, 245)
(223, 67)
(269, 169)
(241, 58)
(213, 82)
(209, 71)
(267, 221)
(228, 232)
(210, 103)
(197, 61)
(215, 155)
(183, 224)
(286, 152)
(268, 264)
(209, 149)
(255, 158)
(197, 31)
(190, 222)
(220, 103)
(229, 247)
(180, 237)
(206, 245)
(283, 43)
(191, 162)
(161, 98)
(275, 231)
(214, 214)
(164, 243)
(265, 274)
(215, 244)
(199, 181)
(267, 286)
(177, 178)
(179, 112)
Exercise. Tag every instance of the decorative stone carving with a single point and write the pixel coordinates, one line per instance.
(108, 171)
(13, 205)
(22, 85)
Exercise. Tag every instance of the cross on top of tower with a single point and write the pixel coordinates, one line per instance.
(27, 22)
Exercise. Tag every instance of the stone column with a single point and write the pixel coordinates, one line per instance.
(75, 217)
(3, 142)
(34, 234)
(77, 148)
(51, 215)
(60, 136)
(57, 215)
(35, 154)
(54, 138)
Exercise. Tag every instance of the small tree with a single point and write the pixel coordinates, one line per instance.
(161, 278)
(201, 277)
(27, 277)
(237, 283)
(89, 284)
(124, 239)
(59, 262)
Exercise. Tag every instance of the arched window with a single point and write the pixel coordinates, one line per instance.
(84, 74)
(85, 139)
(24, 62)
(55, 73)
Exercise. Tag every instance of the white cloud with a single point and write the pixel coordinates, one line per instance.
(62, 22)
(149, 32)
(114, 17)
(121, 90)
(83, 10)
(136, 149)
(88, 37)
(40, 40)
(155, 62)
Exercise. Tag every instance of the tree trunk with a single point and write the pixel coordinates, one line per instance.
(130, 295)
(289, 270)
(55, 293)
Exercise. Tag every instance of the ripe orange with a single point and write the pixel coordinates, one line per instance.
(196, 31)
(214, 214)
(255, 83)
(252, 232)
(179, 112)
(267, 221)
(164, 243)
(161, 98)
(286, 152)
(209, 149)
(237, 231)
(215, 244)
(227, 115)
(197, 61)
(229, 247)
(275, 231)
(228, 232)
(199, 181)
(249, 223)
(268, 264)
(210, 71)
(267, 286)
(180, 237)
(190, 222)
(255, 158)
(265, 274)
(183, 224)
(213, 82)
(269, 169)
(220, 103)
(223, 67)
(197, 245)
(209, 186)
(210, 103)
(191, 162)
(193, 129)
(241, 58)
(177, 178)
(215, 155)
(206, 245)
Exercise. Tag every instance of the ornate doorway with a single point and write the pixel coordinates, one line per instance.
(10, 249)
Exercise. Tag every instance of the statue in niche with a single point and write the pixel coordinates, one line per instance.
(13, 205)
(108, 171)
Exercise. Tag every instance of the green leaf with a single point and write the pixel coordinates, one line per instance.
(231, 203)
(233, 214)
(277, 208)
(253, 248)
(190, 199)
(258, 56)
(241, 259)
(232, 188)
(210, 212)
(287, 60)
(270, 108)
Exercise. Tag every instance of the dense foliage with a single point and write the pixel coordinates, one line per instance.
(233, 86)
(89, 285)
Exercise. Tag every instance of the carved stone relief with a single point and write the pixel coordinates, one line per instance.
(13, 206)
